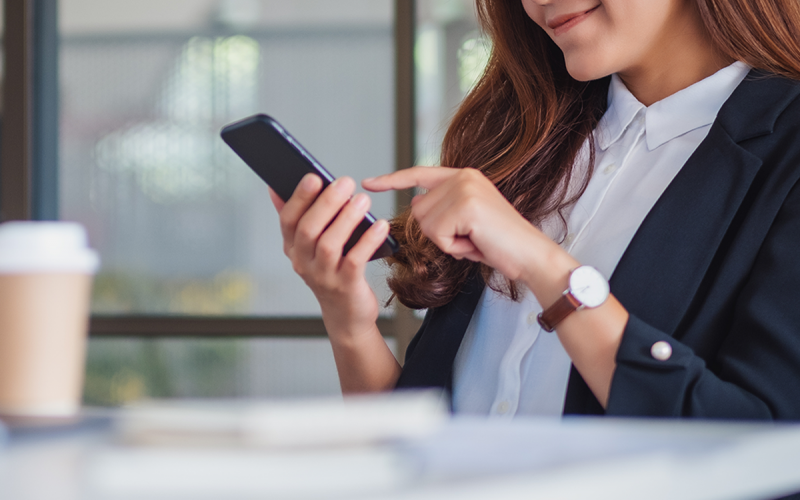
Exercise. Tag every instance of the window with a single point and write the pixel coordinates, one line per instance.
(450, 54)
(182, 225)
(186, 233)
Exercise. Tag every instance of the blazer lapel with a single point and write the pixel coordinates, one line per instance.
(432, 353)
(676, 243)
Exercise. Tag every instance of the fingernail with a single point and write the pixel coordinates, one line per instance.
(368, 179)
(343, 185)
(307, 182)
(380, 225)
(360, 201)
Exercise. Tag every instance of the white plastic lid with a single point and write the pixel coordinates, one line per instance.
(34, 247)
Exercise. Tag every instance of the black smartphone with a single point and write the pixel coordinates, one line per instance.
(277, 157)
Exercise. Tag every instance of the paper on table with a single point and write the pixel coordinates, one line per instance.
(354, 420)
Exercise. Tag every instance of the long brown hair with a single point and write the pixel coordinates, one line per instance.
(525, 120)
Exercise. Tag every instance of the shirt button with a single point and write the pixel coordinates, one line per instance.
(569, 239)
(502, 407)
(610, 168)
(661, 350)
(532, 319)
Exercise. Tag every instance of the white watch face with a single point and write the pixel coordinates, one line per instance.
(588, 286)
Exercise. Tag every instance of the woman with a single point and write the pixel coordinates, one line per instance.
(631, 135)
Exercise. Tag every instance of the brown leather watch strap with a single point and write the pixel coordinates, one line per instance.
(554, 314)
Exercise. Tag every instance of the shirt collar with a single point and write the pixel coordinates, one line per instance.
(622, 109)
(684, 111)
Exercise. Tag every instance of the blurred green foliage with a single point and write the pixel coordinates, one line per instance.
(120, 371)
(228, 292)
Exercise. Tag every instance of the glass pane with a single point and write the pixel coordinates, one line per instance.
(182, 225)
(450, 54)
(125, 370)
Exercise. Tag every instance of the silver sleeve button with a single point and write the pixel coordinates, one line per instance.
(661, 350)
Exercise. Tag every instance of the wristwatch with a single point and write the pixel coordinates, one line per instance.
(587, 288)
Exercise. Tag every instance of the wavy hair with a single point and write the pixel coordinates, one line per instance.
(525, 120)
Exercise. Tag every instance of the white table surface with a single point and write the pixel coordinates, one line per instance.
(465, 459)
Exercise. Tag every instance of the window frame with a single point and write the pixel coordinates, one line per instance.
(29, 167)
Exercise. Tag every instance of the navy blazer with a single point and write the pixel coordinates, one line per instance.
(714, 269)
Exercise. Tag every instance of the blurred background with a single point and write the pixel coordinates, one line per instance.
(183, 227)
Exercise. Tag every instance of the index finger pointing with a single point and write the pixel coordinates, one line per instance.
(424, 177)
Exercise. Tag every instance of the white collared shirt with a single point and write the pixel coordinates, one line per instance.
(507, 365)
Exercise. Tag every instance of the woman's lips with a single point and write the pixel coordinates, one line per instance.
(563, 23)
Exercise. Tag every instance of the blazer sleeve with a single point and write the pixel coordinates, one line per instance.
(755, 374)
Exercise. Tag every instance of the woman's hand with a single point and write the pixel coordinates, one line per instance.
(465, 215)
(315, 227)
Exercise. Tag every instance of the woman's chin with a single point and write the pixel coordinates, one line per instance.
(584, 72)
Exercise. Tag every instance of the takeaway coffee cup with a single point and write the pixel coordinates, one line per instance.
(46, 270)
